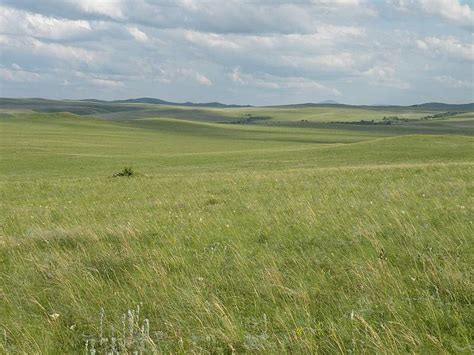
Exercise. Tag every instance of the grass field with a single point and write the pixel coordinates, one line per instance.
(234, 238)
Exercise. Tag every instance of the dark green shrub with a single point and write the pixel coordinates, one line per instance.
(127, 171)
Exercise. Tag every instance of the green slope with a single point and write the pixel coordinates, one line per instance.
(232, 238)
(68, 144)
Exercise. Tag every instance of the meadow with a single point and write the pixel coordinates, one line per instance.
(234, 238)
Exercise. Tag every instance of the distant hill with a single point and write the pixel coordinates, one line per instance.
(99, 107)
(429, 106)
(88, 100)
(438, 106)
(150, 100)
(79, 107)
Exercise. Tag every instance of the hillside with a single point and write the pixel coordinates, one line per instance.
(422, 119)
(214, 210)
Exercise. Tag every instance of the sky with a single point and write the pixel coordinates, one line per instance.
(239, 51)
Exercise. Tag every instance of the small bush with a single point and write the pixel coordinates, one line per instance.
(212, 201)
(127, 171)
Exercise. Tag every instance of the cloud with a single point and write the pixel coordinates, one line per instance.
(449, 81)
(88, 79)
(203, 80)
(450, 10)
(17, 22)
(140, 36)
(17, 74)
(109, 8)
(238, 50)
(276, 83)
(211, 40)
(325, 35)
(338, 2)
(172, 75)
(194, 75)
(236, 76)
(355, 6)
(107, 83)
(54, 50)
(385, 75)
(230, 16)
(340, 61)
(303, 53)
(448, 46)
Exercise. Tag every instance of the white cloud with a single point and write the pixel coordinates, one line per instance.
(211, 40)
(309, 52)
(63, 51)
(447, 45)
(18, 22)
(262, 17)
(333, 50)
(273, 82)
(139, 35)
(203, 80)
(17, 74)
(110, 8)
(422, 45)
(359, 7)
(107, 83)
(449, 81)
(81, 78)
(31, 45)
(307, 84)
(451, 10)
(290, 50)
(173, 75)
(385, 75)
(324, 36)
(340, 61)
(236, 77)
(338, 2)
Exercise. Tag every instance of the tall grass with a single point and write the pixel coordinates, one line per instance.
(276, 242)
(348, 260)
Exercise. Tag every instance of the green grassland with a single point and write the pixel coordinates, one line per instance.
(325, 238)
(312, 114)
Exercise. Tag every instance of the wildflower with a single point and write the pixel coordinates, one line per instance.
(54, 316)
